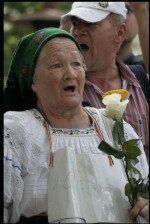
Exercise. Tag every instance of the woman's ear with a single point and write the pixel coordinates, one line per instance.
(121, 33)
(34, 88)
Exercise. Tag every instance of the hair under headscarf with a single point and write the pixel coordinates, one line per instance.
(18, 94)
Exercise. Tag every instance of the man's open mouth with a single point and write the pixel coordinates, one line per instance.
(84, 47)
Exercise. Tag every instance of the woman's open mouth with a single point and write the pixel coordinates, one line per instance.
(70, 89)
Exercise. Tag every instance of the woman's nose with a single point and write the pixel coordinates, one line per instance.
(69, 73)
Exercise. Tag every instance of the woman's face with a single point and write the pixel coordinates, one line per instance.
(59, 75)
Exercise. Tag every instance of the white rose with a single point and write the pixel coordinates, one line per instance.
(114, 106)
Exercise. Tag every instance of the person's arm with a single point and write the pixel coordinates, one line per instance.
(142, 16)
(13, 181)
(141, 208)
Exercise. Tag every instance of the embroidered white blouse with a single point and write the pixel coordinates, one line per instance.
(27, 156)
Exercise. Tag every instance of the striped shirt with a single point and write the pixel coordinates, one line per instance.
(137, 111)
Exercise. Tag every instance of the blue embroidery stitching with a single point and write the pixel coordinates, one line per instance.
(13, 164)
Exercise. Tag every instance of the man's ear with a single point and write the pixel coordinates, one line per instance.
(121, 33)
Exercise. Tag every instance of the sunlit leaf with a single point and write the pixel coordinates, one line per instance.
(130, 142)
(135, 170)
(143, 189)
(119, 155)
(132, 152)
(128, 193)
(133, 161)
(105, 147)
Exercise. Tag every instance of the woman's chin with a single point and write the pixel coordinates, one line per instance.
(73, 103)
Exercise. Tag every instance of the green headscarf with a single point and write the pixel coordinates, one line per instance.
(27, 51)
(23, 65)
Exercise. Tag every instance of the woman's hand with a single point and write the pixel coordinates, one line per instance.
(141, 208)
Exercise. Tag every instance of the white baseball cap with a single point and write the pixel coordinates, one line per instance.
(93, 12)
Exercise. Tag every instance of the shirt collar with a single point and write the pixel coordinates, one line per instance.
(126, 72)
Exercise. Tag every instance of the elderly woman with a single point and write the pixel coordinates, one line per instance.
(52, 164)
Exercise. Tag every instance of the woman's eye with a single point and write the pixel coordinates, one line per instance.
(56, 66)
(77, 64)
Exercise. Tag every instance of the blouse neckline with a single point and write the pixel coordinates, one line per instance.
(38, 115)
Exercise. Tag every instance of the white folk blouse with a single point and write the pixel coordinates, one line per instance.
(27, 156)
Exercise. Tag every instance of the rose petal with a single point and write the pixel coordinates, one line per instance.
(114, 107)
(113, 98)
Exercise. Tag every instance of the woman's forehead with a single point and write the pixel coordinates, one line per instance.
(60, 44)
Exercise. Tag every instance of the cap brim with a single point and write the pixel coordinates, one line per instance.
(86, 14)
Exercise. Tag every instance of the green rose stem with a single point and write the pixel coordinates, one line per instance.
(132, 190)
(128, 151)
(126, 166)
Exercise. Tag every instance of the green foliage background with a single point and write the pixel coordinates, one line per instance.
(13, 32)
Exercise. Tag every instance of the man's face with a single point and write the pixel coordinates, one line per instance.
(96, 39)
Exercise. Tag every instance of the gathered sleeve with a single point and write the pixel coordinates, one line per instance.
(13, 181)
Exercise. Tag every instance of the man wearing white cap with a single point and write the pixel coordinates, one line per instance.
(100, 28)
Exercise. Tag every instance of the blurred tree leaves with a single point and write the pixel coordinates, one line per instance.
(13, 32)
